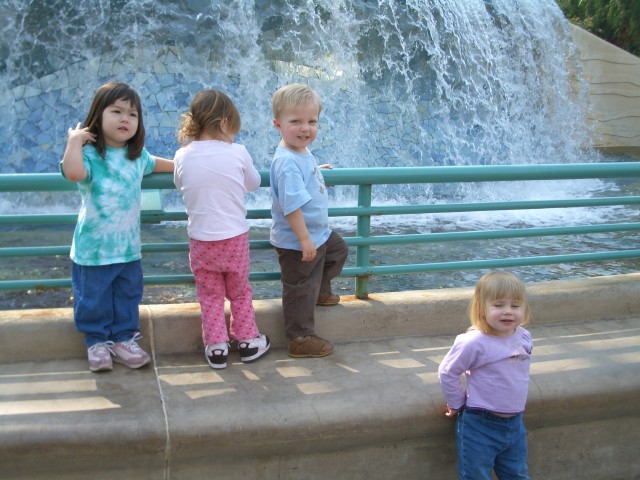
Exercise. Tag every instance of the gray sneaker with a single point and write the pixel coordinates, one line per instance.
(100, 357)
(130, 354)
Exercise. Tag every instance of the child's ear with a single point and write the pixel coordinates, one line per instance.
(276, 124)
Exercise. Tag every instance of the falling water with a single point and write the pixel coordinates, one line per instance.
(438, 82)
(404, 83)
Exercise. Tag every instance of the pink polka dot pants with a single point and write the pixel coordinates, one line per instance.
(221, 269)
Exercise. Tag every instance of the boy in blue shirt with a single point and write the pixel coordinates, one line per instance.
(310, 254)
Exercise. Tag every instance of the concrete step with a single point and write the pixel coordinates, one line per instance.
(371, 410)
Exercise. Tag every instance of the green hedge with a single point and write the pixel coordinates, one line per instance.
(616, 21)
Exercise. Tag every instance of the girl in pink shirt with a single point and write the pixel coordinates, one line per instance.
(213, 174)
(494, 356)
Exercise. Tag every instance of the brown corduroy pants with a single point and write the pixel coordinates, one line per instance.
(302, 282)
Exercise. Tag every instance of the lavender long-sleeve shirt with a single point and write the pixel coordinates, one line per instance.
(496, 370)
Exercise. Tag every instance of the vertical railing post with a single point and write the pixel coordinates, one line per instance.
(362, 251)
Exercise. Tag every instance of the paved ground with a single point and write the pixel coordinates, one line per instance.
(371, 410)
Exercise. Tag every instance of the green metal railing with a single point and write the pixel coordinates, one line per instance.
(365, 180)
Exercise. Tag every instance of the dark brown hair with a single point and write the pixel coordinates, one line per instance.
(107, 95)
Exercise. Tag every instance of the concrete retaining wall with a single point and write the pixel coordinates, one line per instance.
(371, 410)
(176, 328)
(614, 89)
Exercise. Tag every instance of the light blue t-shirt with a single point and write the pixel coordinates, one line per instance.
(108, 228)
(296, 182)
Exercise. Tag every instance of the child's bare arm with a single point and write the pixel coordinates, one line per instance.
(72, 161)
(163, 165)
(296, 222)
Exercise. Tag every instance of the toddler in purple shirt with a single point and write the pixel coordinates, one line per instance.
(494, 356)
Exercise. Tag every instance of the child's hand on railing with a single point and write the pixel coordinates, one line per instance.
(330, 167)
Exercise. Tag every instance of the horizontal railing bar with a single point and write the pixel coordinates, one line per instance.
(358, 241)
(364, 271)
(489, 264)
(39, 284)
(51, 251)
(34, 182)
(490, 234)
(72, 218)
(261, 214)
(9, 252)
(39, 219)
(481, 207)
(479, 173)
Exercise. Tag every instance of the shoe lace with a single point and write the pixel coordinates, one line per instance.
(132, 344)
(102, 345)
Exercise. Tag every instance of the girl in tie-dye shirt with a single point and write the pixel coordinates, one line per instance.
(106, 157)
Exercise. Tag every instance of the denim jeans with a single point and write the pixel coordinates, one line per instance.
(106, 300)
(488, 442)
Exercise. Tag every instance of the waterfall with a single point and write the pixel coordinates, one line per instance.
(404, 83)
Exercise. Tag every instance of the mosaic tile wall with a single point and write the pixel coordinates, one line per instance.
(407, 97)
(41, 112)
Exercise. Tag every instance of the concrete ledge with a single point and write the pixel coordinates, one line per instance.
(371, 410)
(177, 328)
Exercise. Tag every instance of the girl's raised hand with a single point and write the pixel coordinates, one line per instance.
(81, 134)
(72, 161)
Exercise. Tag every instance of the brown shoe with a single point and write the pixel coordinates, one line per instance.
(327, 299)
(309, 346)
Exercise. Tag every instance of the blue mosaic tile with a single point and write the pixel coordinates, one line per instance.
(364, 115)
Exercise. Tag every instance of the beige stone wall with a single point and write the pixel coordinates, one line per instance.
(614, 90)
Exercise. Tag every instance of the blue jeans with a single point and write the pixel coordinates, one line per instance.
(106, 300)
(488, 442)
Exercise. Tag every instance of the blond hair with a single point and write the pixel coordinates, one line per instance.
(207, 111)
(494, 286)
(292, 95)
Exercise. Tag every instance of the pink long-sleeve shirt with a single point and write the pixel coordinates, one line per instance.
(213, 178)
(496, 370)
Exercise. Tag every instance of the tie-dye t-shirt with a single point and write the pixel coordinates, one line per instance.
(108, 228)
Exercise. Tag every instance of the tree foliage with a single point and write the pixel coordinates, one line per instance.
(616, 21)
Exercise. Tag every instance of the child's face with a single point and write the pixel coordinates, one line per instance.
(298, 126)
(119, 123)
(504, 315)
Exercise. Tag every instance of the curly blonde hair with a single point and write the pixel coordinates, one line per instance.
(207, 111)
